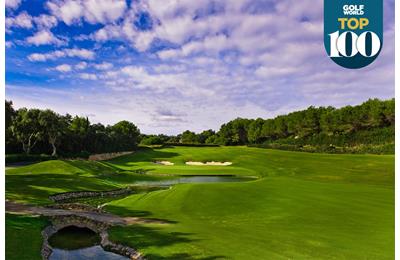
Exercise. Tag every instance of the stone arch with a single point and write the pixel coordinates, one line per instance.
(100, 228)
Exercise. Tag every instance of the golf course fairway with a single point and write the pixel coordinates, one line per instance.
(300, 206)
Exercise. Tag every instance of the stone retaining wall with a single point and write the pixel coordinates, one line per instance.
(107, 156)
(67, 196)
(118, 248)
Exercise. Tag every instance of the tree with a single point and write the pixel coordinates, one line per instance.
(281, 127)
(26, 128)
(98, 139)
(12, 146)
(234, 132)
(203, 136)
(152, 140)
(126, 135)
(389, 112)
(255, 129)
(213, 139)
(10, 113)
(53, 126)
(189, 137)
(268, 130)
(79, 130)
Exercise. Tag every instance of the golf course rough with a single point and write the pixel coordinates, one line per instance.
(302, 206)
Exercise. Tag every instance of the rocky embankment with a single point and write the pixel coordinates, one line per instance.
(68, 196)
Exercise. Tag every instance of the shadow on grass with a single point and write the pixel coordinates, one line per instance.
(93, 167)
(143, 237)
(139, 236)
(108, 172)
(39, 187)
(124, 212)
(23, 236)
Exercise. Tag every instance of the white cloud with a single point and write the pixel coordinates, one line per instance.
(13, 4)
(270, 72)
(38, 57)
(44, 37)
(63, 68)
(169, 54)
(88, 76)
(134, 71)
(92, 11)
(103, 66)
(210, 45)
(9, 44)
(45, 21)
(247, 58)
(81, 65)
(67, 11)
(101, 35)
(46, 56)
(79, 53)
(104, 10)
(138, 77)
(23, 20)
(143, 40)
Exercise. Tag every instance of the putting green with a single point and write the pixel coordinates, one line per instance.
(303, 206)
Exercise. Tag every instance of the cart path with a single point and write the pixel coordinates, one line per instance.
(14, 207)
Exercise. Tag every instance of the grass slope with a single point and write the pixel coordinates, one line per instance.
(34, 183)
(302, 206)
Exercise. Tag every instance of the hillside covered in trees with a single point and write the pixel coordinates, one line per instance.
(368, 127)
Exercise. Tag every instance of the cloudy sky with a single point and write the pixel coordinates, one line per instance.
(172, 65)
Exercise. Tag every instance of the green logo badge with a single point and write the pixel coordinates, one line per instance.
(353, 31)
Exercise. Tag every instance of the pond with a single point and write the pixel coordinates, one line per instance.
(74, 243)
(197, 179)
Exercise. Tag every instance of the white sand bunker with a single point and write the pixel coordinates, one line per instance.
(209, 163)
(164, 162)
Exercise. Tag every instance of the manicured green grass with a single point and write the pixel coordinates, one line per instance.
(23, 237)
(372, 169)
(303, 206)
(281, 218)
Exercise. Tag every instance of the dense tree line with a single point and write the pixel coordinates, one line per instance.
(349, 125)
(44, 131)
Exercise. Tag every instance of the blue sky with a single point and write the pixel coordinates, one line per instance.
(174, 65)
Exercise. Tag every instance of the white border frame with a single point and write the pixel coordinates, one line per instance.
(2, 131)
(397, 127)
(2, 127)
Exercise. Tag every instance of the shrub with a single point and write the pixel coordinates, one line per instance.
(18, 158)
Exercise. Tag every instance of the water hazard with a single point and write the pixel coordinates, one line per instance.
(74, 243)
(197, 179)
